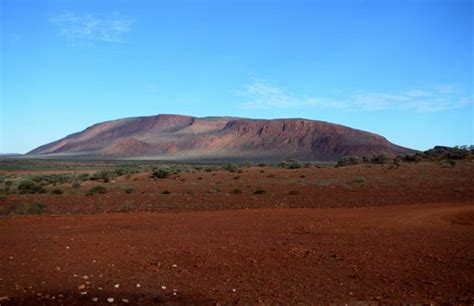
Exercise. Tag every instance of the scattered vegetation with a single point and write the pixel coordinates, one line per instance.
(96, 190)
(290, 164)
(28, 209)
(57, 191)
(166, 192)
(259, 191)
(160, 173)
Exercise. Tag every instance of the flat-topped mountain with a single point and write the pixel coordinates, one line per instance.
(176, 137)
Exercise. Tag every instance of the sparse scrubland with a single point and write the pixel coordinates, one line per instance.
(399, 230)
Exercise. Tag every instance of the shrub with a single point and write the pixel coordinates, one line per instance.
(76, 185)
(380, 159)
(262, 165)
(293, 192)
(291, 164)
(160, 173)
(57, 191)
(259, 191)
(231, 167)
(97, 190)
(29, 209)
(166, 192)
(2, 197)
(346, 161)
(128, 190)
(30, 187)
(236, 191)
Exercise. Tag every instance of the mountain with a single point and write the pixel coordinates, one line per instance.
(176, 137)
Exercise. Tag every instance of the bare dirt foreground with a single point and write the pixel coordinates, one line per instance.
(414, 253)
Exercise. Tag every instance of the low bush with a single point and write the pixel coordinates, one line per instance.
(28, 209)
(347, 161)
(166, 192)
(97, 190)
(160, 173)
(380, 159)
(128, 190)
(30, 187)
(57, 191)
(236, 191)
(259, 191)
(231, 167)
(290, 164)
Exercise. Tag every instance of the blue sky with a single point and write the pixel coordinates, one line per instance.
(403, 69)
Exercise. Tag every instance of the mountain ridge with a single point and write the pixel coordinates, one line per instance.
(179, 137)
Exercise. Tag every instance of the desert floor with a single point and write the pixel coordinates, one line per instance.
(366, 234)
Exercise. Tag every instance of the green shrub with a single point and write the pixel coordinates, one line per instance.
(380, 159)
(57, 191)
(28, 209)
(97, 190)
(346, 161)
(231, 167)
(128, 190)
(30, 187)
(160, 173)
(290, 164)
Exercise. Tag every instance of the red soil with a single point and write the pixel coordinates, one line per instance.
(385, 253)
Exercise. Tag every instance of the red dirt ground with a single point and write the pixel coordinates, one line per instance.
(342, 252)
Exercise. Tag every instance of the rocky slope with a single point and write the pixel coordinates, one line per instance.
(175, 137)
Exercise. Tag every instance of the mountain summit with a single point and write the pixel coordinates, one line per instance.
(176, 137)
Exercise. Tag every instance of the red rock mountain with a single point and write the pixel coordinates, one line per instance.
(175, 137)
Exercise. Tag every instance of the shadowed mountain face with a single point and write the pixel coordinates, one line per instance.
(175, 137)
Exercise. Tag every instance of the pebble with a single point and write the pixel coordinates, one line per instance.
(117, 285)
(233, 290)
(81, 287)
(94, 299)
(175, 266)
(163, 287)
(85, 277)
(110, 300)
(125, 301)
(100, 288)
(67, 248)
(138, 285)
(3, 298)
(84, 293)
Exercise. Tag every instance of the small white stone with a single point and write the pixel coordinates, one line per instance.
(125, 301)
(233, 290)
(58, 269)
(84, 293)
(163, 287)
(94, 299)
(85, 277)
(117, 285)
(174, 293)
(175, 266)
(81, 287)
(138, 285)
(11, 257)
(110, 300)
(100, 288)
(67, 248)
(3, 298)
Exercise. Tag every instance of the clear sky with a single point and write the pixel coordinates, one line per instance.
(403, 69)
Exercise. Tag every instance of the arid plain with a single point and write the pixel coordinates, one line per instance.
(250, 234)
